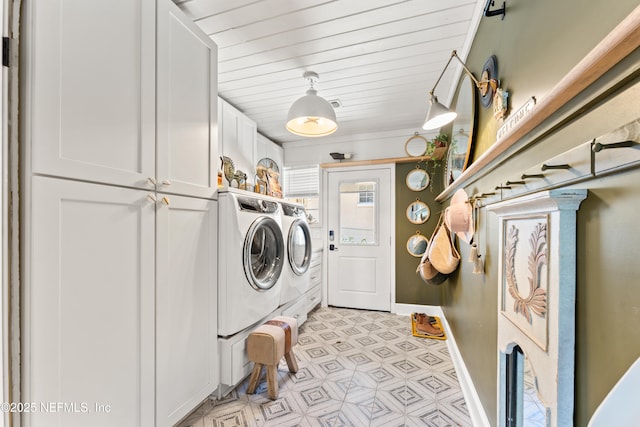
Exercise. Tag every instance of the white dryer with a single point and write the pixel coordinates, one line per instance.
(250, 257)
(296, 276)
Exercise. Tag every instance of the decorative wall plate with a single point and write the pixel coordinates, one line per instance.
(228, 168)
(487, 87)
(268, 163)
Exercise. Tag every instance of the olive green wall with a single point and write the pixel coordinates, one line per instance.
(410, 289)
(536, 45)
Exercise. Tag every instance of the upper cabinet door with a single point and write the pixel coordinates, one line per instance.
(187, 142)
(90, 97)
(238, 142)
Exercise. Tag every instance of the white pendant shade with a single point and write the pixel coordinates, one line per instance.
(311, 115)
(438, 115)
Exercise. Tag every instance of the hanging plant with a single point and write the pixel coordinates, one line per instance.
(437, 149)
(441, 140)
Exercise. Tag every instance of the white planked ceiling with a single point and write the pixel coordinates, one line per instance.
(379, 58)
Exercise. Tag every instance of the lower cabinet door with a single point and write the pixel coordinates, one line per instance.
(186, 305)
(88, 306)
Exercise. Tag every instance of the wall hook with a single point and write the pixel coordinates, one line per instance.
(488, 12)
(596, 147)
(503, 187)
(483, 195)
(547, 167)
(533, 175)
(515, 183)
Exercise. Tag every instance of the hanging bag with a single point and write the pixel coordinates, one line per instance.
(428, 273)
(442, 251)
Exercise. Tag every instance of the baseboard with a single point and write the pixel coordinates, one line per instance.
(476, 411)
(407, 309)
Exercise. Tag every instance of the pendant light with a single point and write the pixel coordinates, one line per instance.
(311, 115)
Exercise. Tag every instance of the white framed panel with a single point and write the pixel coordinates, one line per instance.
(91, 78)
(89, 305)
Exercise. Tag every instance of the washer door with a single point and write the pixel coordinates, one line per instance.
(299, 247)
(263, 253)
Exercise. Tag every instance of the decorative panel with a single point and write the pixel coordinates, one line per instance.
(536, 303)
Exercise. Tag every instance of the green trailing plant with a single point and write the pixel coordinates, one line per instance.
(439, 141)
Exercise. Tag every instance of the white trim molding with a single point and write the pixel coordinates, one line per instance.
(476, 411)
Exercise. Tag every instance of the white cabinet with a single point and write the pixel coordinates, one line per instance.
(89, 304)
(101, 98)
(237, 136)
(314, 294)
(265, 148)
(187, 107)
(186, 301)
(92, 95)
(120, 290)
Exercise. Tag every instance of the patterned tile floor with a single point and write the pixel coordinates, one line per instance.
(356, 368)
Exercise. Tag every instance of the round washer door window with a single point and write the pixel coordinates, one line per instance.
(263, 253)
(299, 247)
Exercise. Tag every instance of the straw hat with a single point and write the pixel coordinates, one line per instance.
(459, 216)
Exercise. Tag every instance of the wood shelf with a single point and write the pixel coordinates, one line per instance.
(618, 44)
(438, 154)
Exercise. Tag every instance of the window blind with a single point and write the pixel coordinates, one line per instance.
(302, 181)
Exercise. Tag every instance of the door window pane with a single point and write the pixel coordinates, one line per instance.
(358, 213)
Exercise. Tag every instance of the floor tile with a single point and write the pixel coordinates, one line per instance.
(356, 368)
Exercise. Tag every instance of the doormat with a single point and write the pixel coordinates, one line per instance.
(435, 323)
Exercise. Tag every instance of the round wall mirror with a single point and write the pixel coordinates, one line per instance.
(417, 244)
(462, 132)
(418, 179)
(418, 212)
(416, 146)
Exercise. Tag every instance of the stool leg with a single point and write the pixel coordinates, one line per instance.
(255, 376)
(272, 381)
(292, 363)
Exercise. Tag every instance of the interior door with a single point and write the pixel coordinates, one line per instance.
(359, 210)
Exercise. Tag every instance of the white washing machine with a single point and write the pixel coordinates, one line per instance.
(295, 276)
(251, 259)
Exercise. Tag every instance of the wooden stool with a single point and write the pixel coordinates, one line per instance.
(266, 345)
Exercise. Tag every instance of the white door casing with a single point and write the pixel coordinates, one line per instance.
(360, 268)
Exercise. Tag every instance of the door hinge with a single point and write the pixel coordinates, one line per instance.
(6, 51)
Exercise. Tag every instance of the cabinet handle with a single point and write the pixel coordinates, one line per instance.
(166, 200)
(151, 180)
(166, 182)
(151, 198)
